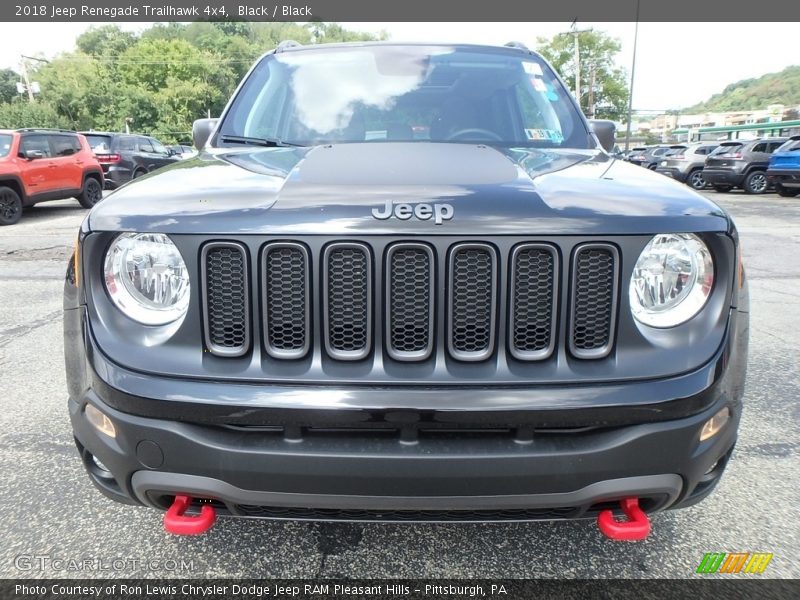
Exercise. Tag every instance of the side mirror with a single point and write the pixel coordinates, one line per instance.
(606, 132)
(202, 130)
(34, 154)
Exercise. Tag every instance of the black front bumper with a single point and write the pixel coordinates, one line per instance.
(561, 453)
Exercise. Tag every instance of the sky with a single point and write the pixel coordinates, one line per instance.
(677, 64)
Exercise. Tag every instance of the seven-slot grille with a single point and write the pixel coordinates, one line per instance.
(470, 293)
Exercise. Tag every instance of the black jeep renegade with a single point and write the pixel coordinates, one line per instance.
(405, 282)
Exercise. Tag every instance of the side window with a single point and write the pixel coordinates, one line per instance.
(127, 143)
(772, 146)
(64, 145)
(144, 145)
(704, 150)
(159, 147)
(35, 143)
(762, 147)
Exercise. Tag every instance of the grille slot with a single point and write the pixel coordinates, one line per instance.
(409, 289)
(534, 269)
(472, 301)
(347, 300)
(595, 273)
(286, 297)
(226, 308)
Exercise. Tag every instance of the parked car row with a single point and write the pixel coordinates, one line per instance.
(125, 156)
(755, 166)
(37, 165)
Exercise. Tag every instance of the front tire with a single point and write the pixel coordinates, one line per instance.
(756, 182)
(786, 192)
(10, 206)
(92, 193)
(696, 180)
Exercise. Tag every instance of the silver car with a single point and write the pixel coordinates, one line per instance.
(686, 163)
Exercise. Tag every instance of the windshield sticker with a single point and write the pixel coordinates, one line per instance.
(544, 134)
(532, 68)
(551, 93)
(538, 85)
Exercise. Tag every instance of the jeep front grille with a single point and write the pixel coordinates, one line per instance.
(226, 312)
(412, 302)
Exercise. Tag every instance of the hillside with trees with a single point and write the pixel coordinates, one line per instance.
(753, 94)
(159, 81)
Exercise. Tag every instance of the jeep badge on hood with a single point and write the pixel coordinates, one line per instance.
(422, 211)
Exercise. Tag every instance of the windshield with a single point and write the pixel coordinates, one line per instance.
(5, 144)
(100, 144)
(405, 93)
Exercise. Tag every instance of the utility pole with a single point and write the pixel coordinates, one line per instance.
(575, 32)
(24, 73)
(24, 69)
(590, 108)
(633, 72)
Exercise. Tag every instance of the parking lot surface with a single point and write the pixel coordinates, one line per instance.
(51, 509)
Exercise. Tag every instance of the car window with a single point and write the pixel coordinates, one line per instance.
(158, 147)
(413, 93)
(38, 143)
(761, 147)
(726, 149)
(144, 145)
(789, 146)
(100, 144)
(5, 144)
(126, 143)
(64, 145)
(773, 146)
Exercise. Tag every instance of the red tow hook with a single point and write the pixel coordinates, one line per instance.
(635, 529)
(175, 521)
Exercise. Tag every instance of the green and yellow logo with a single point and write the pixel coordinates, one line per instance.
(732, 562)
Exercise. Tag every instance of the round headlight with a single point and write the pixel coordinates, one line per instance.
(146, 278)
(671, 280)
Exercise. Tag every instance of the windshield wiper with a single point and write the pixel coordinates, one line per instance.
(266, 142)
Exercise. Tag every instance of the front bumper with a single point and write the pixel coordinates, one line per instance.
(256, 454)
(723, 177)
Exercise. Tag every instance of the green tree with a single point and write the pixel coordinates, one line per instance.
(603, 84)
(15, 115)
(8, 85)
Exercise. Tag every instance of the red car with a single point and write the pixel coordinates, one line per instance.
(37, 165)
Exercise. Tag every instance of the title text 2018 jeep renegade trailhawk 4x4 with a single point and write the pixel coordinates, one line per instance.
(405, 282)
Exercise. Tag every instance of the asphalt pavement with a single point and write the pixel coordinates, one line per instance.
(50, 510)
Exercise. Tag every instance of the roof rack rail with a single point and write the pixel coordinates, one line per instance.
(44, 129)
(517, 45)
(286, 44)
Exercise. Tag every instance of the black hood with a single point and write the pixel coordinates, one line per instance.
(334, 190)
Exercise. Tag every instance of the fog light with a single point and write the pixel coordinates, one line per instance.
(106, 472)
(714, 424)
(101, 422)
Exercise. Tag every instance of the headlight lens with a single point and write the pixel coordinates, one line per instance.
(671, 280)
(146, 278)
